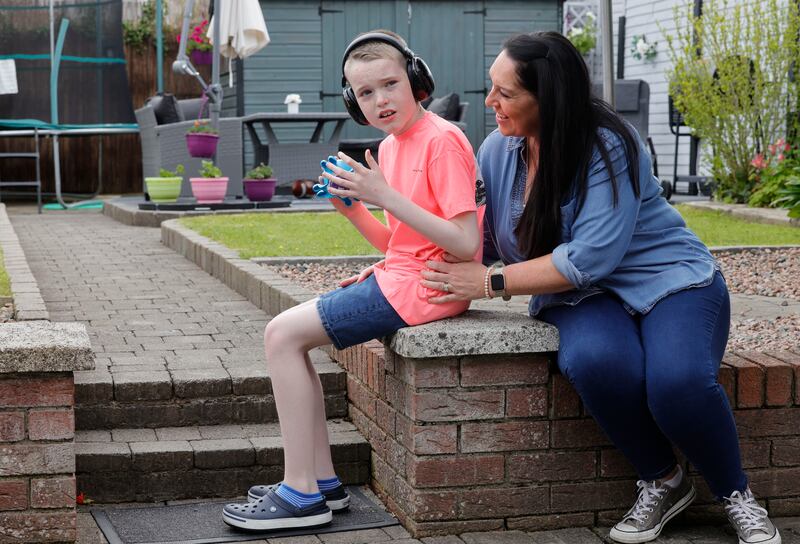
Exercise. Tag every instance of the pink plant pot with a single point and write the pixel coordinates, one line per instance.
(201, 144)
(209, 190)
(260, 190)
(201, 57)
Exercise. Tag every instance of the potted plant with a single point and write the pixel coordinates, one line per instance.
(166, 187)
(211, 186)
(198, 46)
(201, 139)
(259, 185)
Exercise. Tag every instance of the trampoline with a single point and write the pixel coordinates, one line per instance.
(69, 66)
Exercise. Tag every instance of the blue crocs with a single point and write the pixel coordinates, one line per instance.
(337, 499)
(271, 512)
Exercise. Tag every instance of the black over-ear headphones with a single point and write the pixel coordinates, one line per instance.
(419, 75)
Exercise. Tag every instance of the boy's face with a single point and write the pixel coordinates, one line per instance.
(384, 94)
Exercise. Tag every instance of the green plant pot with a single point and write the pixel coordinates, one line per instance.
(163, 189)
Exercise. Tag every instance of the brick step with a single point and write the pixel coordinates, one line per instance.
(171, 463)
(180, 398)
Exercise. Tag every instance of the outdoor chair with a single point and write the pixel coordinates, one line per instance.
(694, 182)
(632, 97)
(164, 144)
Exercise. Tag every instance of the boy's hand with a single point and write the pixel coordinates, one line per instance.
(364, 274)
(364, 182)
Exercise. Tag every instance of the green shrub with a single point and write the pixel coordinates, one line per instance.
(209, 170)
(164, 173)
(262, 171)
(735, 96)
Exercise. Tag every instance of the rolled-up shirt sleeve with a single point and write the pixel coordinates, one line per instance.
(601, 232)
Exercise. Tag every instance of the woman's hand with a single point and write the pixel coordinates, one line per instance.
(364, 274)
(458, 280)
(364, 182)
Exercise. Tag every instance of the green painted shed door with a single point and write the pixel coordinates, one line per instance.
(449, 36)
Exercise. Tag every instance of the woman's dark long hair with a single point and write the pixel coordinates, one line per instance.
(552, 70)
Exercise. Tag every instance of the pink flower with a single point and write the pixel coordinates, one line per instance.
(759, 162)
(772, 149)
(780, 157)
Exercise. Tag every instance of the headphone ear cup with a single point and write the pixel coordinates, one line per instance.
(421, 78)
(351, 104)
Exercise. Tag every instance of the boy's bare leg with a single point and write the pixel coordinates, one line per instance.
(322, 448)
(287, 340)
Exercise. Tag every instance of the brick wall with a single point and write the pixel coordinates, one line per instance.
(488, 442)
(37, 457)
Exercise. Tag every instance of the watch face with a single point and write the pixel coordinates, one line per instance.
(498, 282)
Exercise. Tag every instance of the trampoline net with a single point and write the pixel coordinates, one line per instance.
(91, 84)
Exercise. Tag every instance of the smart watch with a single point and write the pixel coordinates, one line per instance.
(497, 282)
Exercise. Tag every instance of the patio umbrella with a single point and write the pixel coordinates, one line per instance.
(242, 29)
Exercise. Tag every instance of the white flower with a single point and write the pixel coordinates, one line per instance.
(591, 16)
(577, 31)
(642, 47)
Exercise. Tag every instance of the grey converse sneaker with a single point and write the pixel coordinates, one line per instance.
(750, 520)
(654, 507)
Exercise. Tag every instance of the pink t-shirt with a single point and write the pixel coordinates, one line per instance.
(431, 163)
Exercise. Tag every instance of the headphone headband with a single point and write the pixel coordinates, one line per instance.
(374, 37)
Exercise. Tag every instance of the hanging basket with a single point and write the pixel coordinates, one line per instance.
(201, 144)
(201, 57)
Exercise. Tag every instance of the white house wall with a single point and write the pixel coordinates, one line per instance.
(649, 18)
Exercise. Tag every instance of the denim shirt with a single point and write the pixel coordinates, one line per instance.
(640, 250)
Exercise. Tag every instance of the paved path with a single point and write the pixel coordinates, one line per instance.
(147, 308)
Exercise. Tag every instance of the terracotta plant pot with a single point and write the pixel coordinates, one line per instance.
(201, 144)
(260, 190)
(209, 190)
(201, 57)
(163, 189)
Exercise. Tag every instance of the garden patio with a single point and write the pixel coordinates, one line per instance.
(132, 372)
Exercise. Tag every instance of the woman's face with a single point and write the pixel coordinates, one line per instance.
(516, 110)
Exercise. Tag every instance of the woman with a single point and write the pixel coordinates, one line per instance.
(643, 313)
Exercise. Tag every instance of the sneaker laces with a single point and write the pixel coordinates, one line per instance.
(649, 495)
(746, 513)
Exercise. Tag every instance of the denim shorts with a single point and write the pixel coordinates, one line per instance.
(357, 313)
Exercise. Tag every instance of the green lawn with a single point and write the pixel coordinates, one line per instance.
(282, 234)
(324, 234)
(721, 229)
(5, 284)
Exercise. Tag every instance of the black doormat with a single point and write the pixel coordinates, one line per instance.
(198, 523)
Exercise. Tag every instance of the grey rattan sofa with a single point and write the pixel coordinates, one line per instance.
(164, 146)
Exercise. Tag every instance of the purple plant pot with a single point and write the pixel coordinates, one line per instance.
(201, 144)
(201, 57)
(260, 190)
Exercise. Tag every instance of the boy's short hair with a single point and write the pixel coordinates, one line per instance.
(375, 50)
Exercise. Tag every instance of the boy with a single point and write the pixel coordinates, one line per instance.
(426, 186)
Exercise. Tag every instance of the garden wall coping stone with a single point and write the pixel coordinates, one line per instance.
(42, 346)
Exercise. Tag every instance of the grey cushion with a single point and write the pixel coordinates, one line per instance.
(445, 107)
(166, 109)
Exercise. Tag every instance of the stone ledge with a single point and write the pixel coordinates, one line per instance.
(41, 346)
(28, 302)
(477, 332)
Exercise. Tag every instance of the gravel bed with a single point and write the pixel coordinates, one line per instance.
(765, 272)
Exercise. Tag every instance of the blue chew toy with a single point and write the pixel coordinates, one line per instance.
(321, 189)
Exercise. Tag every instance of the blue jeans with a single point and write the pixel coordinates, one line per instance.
(650, 380)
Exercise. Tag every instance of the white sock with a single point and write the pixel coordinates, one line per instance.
(675, 480)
